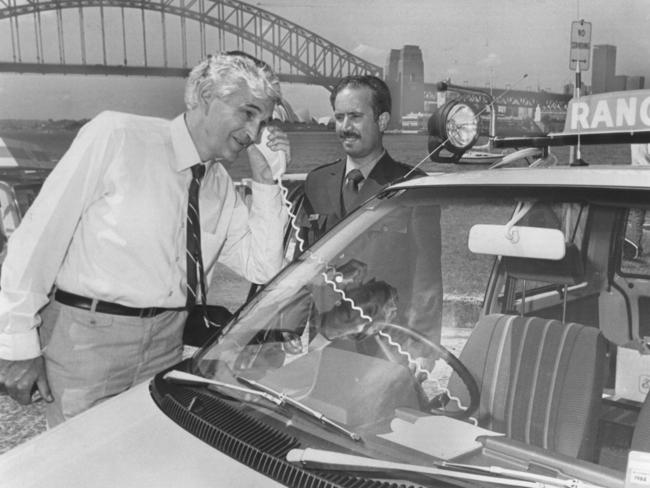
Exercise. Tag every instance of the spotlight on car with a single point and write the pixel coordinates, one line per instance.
(454, 127)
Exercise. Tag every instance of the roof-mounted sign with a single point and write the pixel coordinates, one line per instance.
(624, 111)
(580, 45)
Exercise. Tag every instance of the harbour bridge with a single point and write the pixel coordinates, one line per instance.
(548, 103)
(162, 38)
(167, 37)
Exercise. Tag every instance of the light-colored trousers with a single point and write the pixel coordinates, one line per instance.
(92, 356)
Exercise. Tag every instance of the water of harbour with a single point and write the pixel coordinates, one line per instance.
(311, 149)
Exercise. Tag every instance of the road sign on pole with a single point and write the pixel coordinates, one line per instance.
(580, 45)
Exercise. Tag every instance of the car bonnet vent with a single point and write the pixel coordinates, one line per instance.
(246, 439)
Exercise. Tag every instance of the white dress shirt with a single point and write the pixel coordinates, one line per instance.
(109, 223)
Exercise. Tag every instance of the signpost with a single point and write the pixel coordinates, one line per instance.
(580, 46)
(579, 61)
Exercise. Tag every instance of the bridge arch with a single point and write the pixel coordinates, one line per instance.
(297, 54)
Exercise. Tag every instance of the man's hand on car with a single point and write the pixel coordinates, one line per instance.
(20, 377)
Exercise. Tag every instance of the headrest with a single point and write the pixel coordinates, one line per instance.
(567, 271)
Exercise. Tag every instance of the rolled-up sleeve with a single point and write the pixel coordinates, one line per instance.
(254, 242)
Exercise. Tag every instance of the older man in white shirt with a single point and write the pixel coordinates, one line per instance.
(100, 263)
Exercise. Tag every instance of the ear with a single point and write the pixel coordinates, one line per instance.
(205, 97)
(383, 120)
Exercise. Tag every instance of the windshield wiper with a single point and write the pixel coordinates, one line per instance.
(285, 399)
(183, 377)
(332, 460)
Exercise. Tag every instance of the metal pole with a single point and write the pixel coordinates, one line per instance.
(202, 29)
(101, 15)
(144, 36)
(59, 32)
(164, 31)
(124, 37)
(183, 35)
(13, 36)
(578, 83)
(82, 35)
(20, 56)
(38, 33)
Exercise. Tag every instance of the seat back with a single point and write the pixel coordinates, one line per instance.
(540, 381)
(641, 436)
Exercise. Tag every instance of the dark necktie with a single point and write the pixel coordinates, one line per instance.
(351, 189)
(195, 275)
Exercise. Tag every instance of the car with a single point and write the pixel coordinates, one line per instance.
(482, 328)
(19, 186)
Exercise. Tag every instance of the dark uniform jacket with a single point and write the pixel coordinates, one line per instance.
(415, 270)
(322, 207)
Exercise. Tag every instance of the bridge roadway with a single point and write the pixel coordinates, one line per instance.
(100, 69)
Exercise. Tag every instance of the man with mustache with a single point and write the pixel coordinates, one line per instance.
(100, 275)
(362, 106)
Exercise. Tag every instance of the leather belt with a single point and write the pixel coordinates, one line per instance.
(100, 306)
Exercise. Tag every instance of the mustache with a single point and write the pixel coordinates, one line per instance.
(349, 133)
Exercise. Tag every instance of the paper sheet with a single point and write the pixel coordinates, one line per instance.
(439, 436)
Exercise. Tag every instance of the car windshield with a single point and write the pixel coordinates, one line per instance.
(377, 326)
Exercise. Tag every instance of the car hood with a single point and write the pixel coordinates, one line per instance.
(127, 442)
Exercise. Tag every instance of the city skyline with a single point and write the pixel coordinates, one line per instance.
(459, 40)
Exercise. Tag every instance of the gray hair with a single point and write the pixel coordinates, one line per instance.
(224, 74)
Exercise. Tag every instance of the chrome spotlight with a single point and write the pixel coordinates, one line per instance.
(454, 128)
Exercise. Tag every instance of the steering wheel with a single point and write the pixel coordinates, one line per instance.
(438, 403)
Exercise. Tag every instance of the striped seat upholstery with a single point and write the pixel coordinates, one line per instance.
(540, 380)
(641, 437)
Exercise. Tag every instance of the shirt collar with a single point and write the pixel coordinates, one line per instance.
(185, 151)
(366, 168)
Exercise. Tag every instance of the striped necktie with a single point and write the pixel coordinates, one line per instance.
(350, 189)
(195, 274)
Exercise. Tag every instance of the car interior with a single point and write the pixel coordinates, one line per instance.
(600, 295)
(540, 380)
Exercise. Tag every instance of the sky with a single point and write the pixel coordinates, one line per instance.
(472, 42)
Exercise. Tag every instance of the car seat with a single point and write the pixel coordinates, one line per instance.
(641, 436)
(540, 381)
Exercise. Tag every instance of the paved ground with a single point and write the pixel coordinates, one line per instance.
(19, 423)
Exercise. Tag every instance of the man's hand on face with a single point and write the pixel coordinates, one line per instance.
(278, 141)
(19, 378)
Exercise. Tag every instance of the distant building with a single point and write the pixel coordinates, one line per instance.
(604, 77)
(415, 122)
(392, 79)
(412, 79)
(635, 83)
(620, 81)
(569, 89)
(404, 75)
(603, 70)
